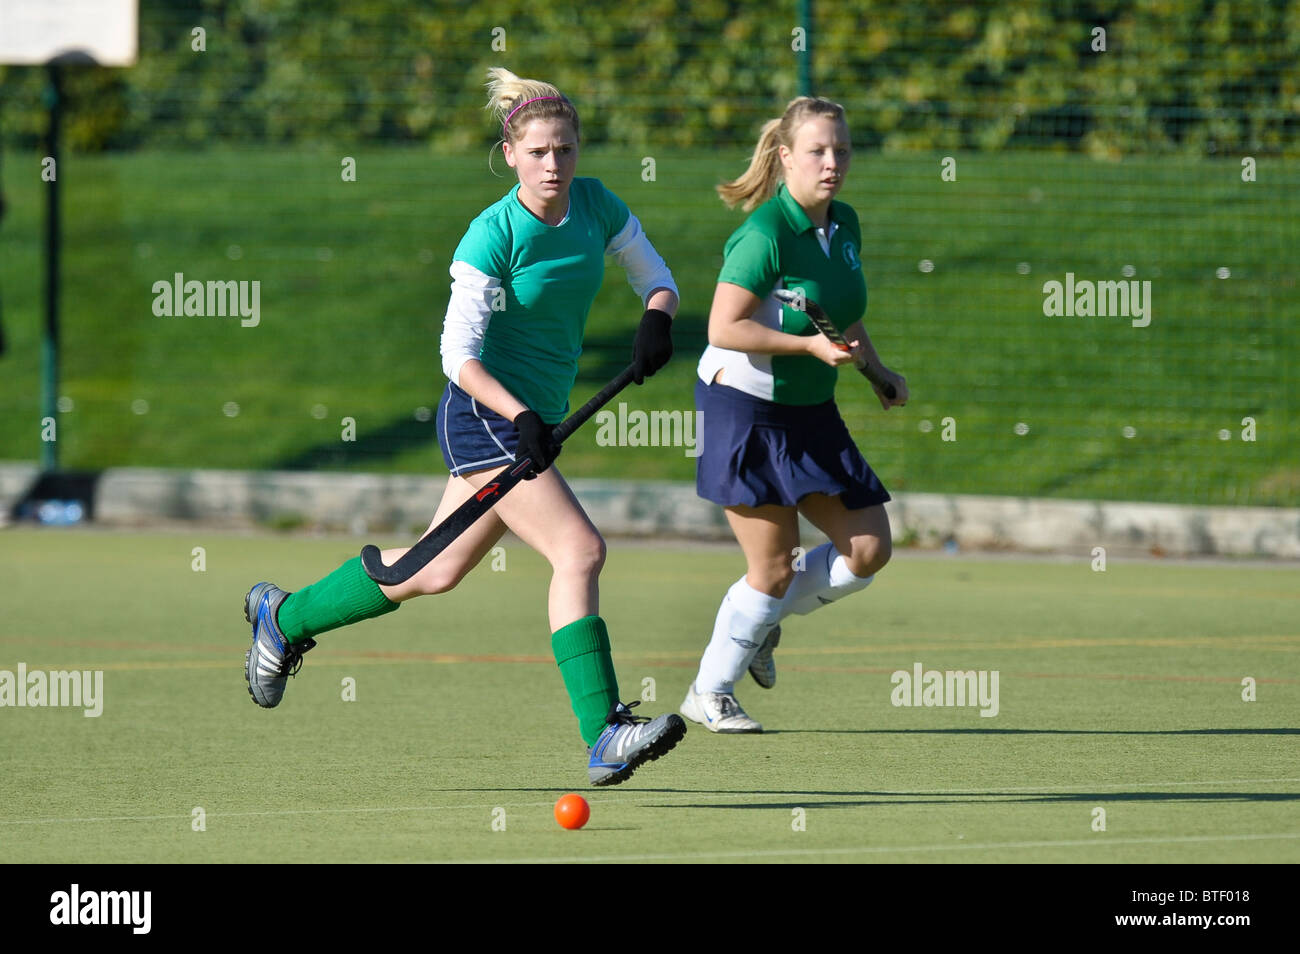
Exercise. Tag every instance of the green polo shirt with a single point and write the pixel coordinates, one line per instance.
(778, 247)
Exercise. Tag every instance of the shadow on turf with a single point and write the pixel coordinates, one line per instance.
(910, 798)
(1033, 731)
(900, 798)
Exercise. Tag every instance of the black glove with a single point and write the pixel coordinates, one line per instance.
(654, 344)
(535, 442)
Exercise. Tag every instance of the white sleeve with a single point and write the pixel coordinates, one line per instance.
(646, 270)
(468, 312)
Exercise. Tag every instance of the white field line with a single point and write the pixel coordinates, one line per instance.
(1101, 841)
(630, 795)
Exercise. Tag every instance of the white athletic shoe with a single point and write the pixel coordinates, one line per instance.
(717, 712)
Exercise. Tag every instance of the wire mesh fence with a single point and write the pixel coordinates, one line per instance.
(1079, 228)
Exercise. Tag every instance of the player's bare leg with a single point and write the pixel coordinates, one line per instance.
(463, 554)
(767, 536)
(859, 546)
(862, 536)
(544, 513)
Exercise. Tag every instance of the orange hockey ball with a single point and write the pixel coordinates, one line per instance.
(572, 811)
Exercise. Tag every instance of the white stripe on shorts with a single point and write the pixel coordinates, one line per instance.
(474, 405)
(447, 437)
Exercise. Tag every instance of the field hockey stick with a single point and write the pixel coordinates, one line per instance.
(822, 322)
(460, 520)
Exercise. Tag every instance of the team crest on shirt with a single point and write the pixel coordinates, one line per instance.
(851, 256)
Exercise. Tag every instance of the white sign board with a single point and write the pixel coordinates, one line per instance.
(34, 32)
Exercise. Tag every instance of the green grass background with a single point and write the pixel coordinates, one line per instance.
(354, 285)
(1119, 690)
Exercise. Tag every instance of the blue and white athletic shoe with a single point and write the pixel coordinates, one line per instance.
(272, 659)
(629, 741)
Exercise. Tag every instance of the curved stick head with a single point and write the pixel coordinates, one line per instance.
(372, 561)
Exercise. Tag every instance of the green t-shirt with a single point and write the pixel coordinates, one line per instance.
(778, 247)
(549, 275)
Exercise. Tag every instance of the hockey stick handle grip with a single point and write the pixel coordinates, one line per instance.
(822, 322)
(599, 400)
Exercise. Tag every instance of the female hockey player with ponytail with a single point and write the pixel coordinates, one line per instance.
(774, 444)
(524, 277)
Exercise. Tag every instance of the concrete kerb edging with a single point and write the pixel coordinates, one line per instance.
(1042, 525)
(15, 478)
(364, 503)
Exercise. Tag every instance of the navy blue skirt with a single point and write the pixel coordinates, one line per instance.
(473, 437)
(756, 453)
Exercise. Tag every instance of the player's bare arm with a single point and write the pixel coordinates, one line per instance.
(479, 384)
(665, 300)
(731, 326)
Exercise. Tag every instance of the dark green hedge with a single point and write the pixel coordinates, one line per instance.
(1194, 77)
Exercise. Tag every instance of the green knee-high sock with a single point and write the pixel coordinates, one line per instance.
(345, 596)
(582, 653)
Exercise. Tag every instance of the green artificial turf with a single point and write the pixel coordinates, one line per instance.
(1119, 690)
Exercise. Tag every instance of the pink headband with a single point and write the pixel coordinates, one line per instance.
(521, 106)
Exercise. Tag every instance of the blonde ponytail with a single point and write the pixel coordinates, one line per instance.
(516, 102)
(761, 180)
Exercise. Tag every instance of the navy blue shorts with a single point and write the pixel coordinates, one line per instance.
(755, 452)
(473, 437)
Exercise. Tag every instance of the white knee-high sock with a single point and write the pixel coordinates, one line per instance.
(743, 622)
(825, 578)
